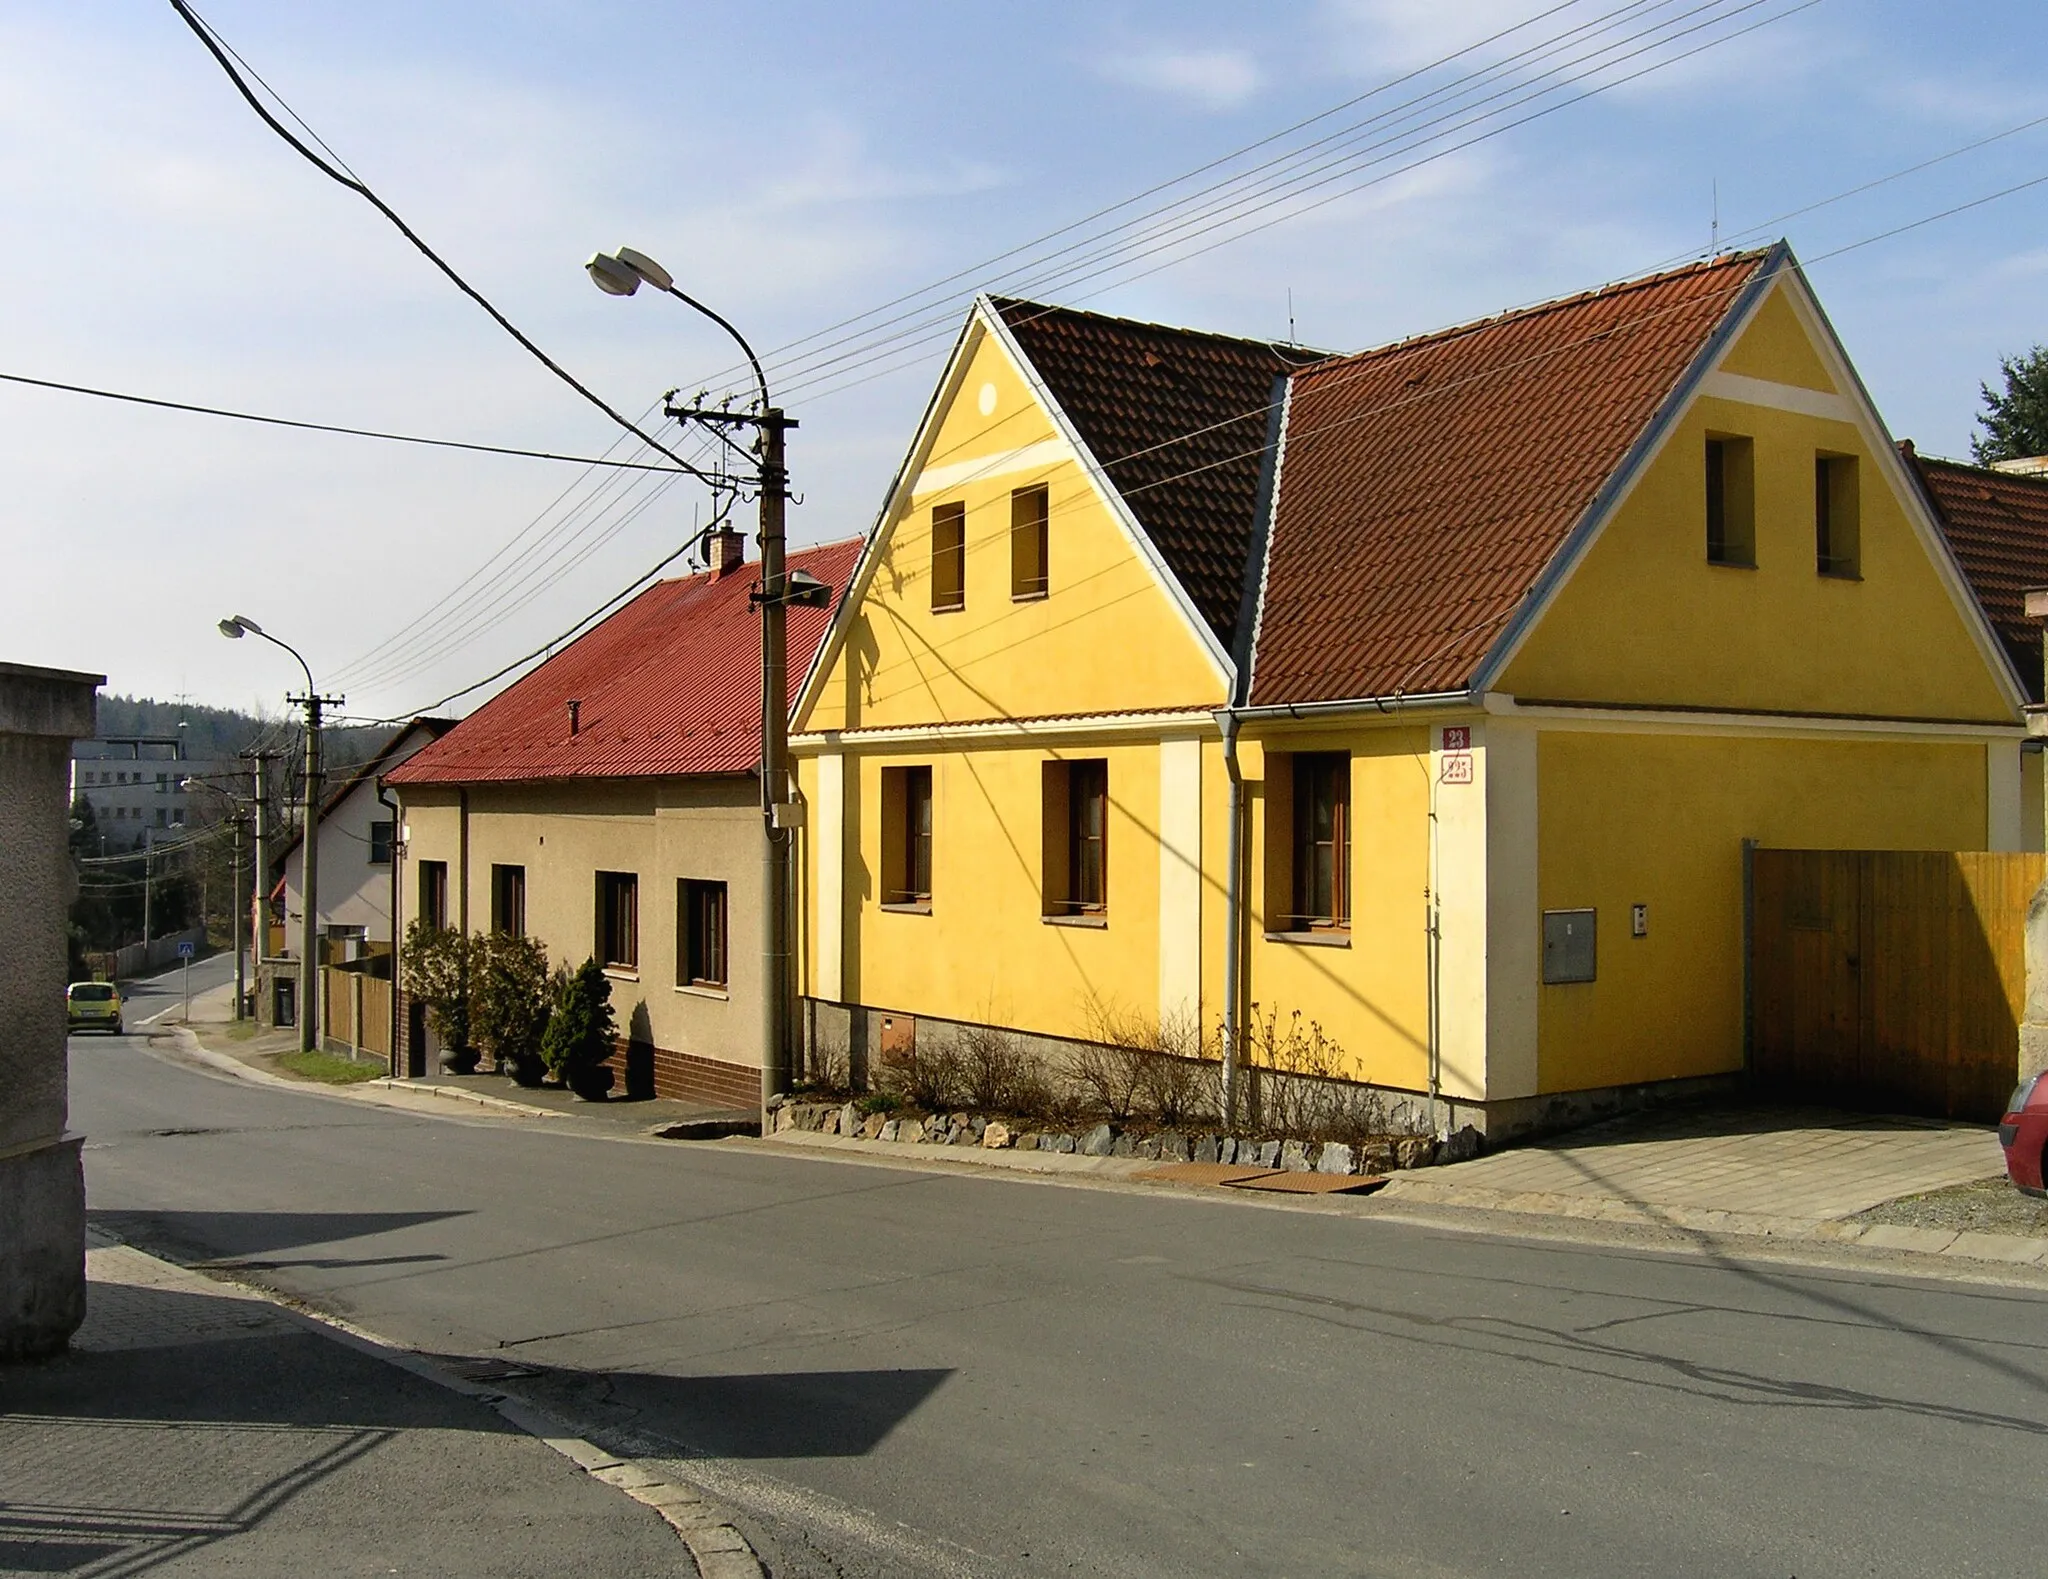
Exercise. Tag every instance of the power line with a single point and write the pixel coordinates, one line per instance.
(326, 427)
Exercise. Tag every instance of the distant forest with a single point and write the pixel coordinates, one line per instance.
(212, 733)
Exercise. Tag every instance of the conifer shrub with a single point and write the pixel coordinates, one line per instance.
(580, 1031)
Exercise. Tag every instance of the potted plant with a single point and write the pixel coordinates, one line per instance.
(437, 977)
(510, 1002)
(580, 1032)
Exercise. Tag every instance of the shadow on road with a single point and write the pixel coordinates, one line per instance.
(215, 1237)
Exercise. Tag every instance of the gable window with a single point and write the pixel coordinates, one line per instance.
(508, 900)
(949, 557)
(380, 844)
(1731, 501)
(907, 838)
(434, 893)
(1836, 534)
(1322, 841)
(700, 924)
(1029, 520)
(618, 920)
(1075, 877)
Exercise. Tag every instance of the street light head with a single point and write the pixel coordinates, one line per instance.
(611, 276)
(803, 590)
(644, 266)
(232, 629)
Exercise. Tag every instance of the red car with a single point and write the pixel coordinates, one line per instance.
(2023, 1132)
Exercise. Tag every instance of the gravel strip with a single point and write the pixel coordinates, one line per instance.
(1987, 1206)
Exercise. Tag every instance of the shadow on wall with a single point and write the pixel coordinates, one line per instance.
(639, 1055)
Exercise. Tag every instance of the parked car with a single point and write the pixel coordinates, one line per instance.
(2023, 1132)
(93, 1006)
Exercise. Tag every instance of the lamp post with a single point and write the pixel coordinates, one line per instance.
(236, 627)
(621, 274)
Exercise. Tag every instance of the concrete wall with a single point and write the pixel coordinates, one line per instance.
(705, 1043)
(42, 1187)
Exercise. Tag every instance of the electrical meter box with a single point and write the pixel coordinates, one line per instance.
(1568, 946)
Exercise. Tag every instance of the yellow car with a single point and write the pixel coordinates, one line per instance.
(93, 1005)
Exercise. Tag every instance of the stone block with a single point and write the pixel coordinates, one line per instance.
(1063, 1144)
(910, 1131)
(1461, 1145)
(871, 1126)
(849, 1120)
(996, 1137)
(1336, 1158)
(891, 1129)
(1207, 1149)
(1173, 1147)
(1414, 1151)
(1028, 1141)
(1265, 1155)
(1098, 1142)
(1226, 1150)
(1293, 1156)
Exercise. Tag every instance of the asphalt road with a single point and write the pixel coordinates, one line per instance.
(896, 1372)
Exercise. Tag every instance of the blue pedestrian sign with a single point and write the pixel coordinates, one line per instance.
(185, 949)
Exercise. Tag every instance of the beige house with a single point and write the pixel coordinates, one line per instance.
(608, 804)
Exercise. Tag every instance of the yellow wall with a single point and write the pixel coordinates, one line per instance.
(901, 663)
(1645, 619)
(1659, 820)
(1775, 346)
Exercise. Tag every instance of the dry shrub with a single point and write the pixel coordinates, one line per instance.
(1133, 1064)
(1295, 1085)
(996, 1074)
(926, 1075)
(828, 1072)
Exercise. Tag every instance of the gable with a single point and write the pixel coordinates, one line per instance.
(1643, 619)
(1113, 631)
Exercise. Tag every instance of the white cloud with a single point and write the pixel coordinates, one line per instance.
(1216, 79)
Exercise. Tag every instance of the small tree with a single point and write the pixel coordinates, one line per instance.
(437, 977)
(509, 1000)
(2015, 422)
(580, 1032)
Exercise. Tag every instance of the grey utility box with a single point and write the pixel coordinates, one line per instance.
(1568, 946)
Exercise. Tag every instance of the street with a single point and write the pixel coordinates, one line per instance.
(894, 1372)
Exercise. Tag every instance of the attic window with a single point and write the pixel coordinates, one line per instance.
(949, 558)
(1836, 527)
(1731, 500)
(1029, 516)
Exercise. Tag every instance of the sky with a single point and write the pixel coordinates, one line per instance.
(800, 165)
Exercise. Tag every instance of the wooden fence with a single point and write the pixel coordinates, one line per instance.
(356, 1011)
(1889, 980)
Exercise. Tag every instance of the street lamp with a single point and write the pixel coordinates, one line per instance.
(235, 627)
(621, 274)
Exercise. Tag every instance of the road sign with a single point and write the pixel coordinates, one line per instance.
(186, 950)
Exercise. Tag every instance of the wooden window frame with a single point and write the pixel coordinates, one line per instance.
(1313, 774)
(1030, 543)
(704, 958)
(434, 894)
(508, 899)
(907, 838)
(1076, 889)
(618, 921)
(949, 557)
(1837, 524)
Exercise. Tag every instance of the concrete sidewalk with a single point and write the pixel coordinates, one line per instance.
(198, 1429)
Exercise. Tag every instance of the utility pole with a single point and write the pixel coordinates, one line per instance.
(255, 901)
(775, 844)
(235, 909)
(309, 856)
(148, 847)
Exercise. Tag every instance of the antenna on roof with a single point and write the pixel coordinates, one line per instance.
(1290, 317)
(1714, 243)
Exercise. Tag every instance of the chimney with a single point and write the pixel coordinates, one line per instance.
(575, 715)
(728, 553)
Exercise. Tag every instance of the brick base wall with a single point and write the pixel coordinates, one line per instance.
(645, 1070)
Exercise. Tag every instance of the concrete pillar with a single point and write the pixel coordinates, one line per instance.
(42, 1184)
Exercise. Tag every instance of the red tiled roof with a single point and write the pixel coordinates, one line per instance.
(669, 685)
(1997, 523)
(1427, 485)
(1179, 422)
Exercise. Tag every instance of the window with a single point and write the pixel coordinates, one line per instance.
(907, 838)
(162, 817)
(1731, 501)
(434, 893)
(1028, 545)
(508, 900)
(700, 924)
(618, 920)
(1835, 523)
(1321, 866)
(1076, 834)
(949, 558)
(380, 844)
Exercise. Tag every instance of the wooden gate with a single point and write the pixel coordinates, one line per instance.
(1889, 980)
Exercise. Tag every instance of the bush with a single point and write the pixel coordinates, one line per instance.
(996, 1074)
(580, 1032)
(437, 977)
(510, 1000)
(925, 1076)
(1295, 1085)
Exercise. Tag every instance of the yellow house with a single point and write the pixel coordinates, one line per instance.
(1432, 692)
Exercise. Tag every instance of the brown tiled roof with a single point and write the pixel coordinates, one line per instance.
(1997, 524)
(669, 685)
(1426, 485)
(1179, 421)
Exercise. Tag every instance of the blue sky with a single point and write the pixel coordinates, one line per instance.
(796, 166)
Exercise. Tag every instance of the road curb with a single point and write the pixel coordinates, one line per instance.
(715, 1544)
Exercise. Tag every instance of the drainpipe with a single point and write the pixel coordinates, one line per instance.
(1233, 904)
(397, 830)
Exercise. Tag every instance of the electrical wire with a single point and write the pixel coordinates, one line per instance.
(326, 427)
(217, 47)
